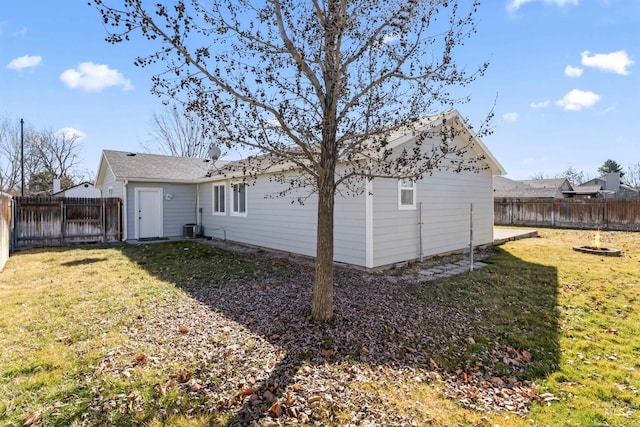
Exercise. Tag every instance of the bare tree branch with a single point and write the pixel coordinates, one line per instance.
(316, 88)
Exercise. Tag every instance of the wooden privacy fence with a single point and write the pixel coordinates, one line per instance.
(5, 228)
(608, 214)
(57, 221)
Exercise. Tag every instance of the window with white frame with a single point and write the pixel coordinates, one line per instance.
(219, 199)
(406, 194)
(239, 204)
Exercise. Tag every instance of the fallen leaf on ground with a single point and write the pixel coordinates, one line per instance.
(276, 409)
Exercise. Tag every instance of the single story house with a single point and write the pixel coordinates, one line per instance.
(608, 186)
(389, 221)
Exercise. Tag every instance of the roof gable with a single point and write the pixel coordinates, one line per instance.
(402, 136)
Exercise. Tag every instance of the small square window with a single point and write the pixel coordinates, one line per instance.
(406, 194)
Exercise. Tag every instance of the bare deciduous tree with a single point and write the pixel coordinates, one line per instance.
(9, 157)
(12, 146)
(57, 151)
(47, 154)
(314, 86)
(178, 132)
(55, 154)
(632, 177)
(574, 176)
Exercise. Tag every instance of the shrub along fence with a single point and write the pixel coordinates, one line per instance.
(607, 214)
(57, 221)
(5, 228)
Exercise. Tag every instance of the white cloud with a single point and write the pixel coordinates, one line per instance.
(514, 5)
(20, 33)
(94, 77)
(390, 37)
(616, 62)
(23, 62)
(510, 117)
(576, 100)
(70, 133)
(540, 105)
(570, 71)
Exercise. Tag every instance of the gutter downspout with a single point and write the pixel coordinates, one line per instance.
(421, 222)
(124, 209)
(471, 237)
(368, 197)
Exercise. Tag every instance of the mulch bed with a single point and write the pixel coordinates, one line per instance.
(251, 350)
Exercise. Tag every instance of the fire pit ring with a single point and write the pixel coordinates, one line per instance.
(598, 251)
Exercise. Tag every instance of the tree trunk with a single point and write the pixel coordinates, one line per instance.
(322, 306)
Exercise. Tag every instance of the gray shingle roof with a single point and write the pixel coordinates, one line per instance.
(523, 192)
(531, 188)
(587, 189)
(555, 183)
(127, 165)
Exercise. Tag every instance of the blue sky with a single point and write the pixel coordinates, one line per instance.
(565, 75)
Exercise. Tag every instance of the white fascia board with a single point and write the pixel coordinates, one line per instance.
(158, 180)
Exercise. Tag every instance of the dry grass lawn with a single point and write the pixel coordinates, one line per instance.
(186, 334)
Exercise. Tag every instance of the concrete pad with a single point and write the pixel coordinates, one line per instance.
(502, 235)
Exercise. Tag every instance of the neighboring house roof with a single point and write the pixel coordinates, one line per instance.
(530, 188)
(625, 187)
(587, 189)
(82, 184)
(524, 192)
(556, 183)
(595, 181)
(506, 183)
(609, 184)
(155, 167)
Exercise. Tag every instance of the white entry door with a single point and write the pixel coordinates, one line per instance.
(149, 212)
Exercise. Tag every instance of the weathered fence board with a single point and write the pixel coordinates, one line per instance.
(608, 214)
(57, 221)
(5, 228)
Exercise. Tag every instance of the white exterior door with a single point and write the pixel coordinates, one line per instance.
(148, 213)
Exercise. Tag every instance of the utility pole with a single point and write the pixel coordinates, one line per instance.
(22, 155)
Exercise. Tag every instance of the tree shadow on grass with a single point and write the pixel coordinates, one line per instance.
(493, 328)
(84, 261)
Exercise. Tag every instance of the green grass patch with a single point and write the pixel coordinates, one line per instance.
(63, 310)
(64, 316)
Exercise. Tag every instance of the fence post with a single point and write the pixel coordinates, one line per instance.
(103, 212)
(63, 219)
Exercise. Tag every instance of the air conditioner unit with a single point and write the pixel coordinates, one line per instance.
(190, 231)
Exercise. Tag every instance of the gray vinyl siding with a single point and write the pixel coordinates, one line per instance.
(446, 198)
(110, 181)
(274, 222)
(177, 212)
